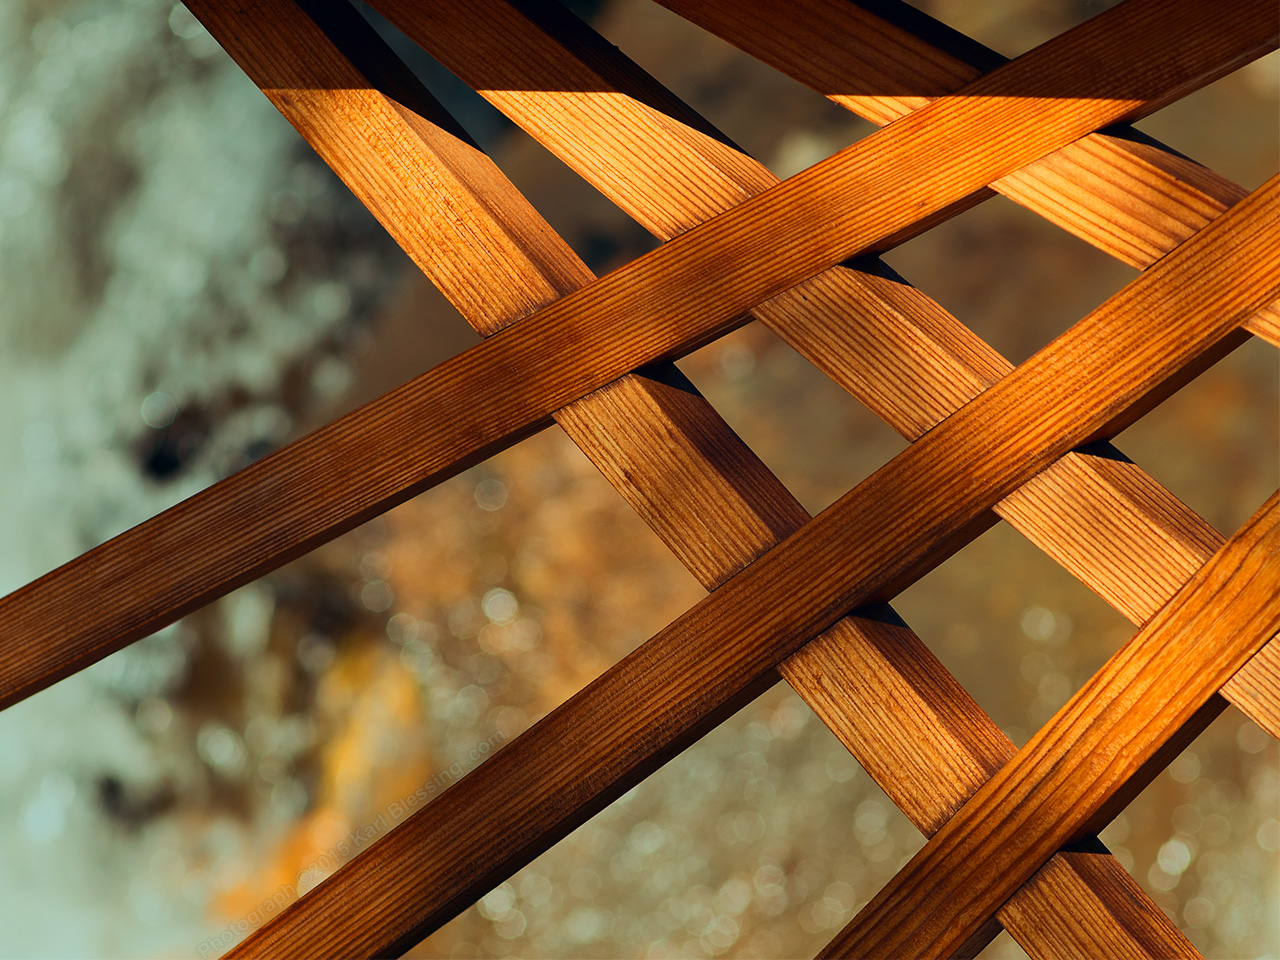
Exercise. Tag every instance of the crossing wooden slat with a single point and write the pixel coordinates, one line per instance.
(1111, 738)
(1255, 689)
(1266, 324)
(1069, 909)
(1096, 513)
(1079, 515)
(1122, 191)
(495, 226)
(669, 301)
(890, 345)
(461, 186)
(877, 538)
(712, 501)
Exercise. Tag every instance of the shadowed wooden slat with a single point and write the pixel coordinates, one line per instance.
(1147, 703)
(712, 501)
(880, 536)
(890, 345)
(667, 302)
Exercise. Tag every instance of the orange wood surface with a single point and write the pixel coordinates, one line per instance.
(890, 345)
(1011, 832)
(712, 501)
(665, 303)
(868, 545)
(1147, 703)
(1121, 191)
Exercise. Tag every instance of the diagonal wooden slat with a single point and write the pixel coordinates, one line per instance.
(1255, 689)
(1123, 192)
(669, 301)
(1147, 703)
(902, 353)
(714, 503)
(1081, 902)
(872, 542)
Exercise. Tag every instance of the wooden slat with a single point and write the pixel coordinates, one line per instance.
(1081, 513)
(1123, 192)
(1255, 689)
(1081, 902)
(1266, 324)
(930, 753)
(462, 186)
(666, 302)
(1110, 739)
(873, 541)
(713, 502)
(893, 347)
(1084, 882)
(885, 60)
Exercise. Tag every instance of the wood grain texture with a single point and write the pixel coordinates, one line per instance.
(1110, 739)
(671, 300)
(1266, 324)
(1083, 883)
(891, 346)
(870, 543)
(1122, 191)
(930, 753)
(714, 504)
(668, 301)
(720, 508)
(1255, 689)
(1106, 521)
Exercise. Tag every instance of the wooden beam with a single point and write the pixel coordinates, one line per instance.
(879, 537)
(713, 502)
(1146, 704)
(1122, 191)
(890, 345)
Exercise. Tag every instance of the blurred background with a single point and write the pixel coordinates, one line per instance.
(185, 288)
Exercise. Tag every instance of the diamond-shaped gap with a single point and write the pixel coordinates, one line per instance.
(818, 439)
(777, 120)
(1012, 277)
(1019, 632)
(1003, 947)
(406, 652)
(1215, 444)
(761, 840)
(1231, 126)
(1202, 839)
(1012, 27)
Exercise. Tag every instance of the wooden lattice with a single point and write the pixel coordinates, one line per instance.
(1011, 832)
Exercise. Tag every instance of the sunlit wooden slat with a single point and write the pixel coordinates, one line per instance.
(877, 538)
(1147, 703)
(676, 461)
